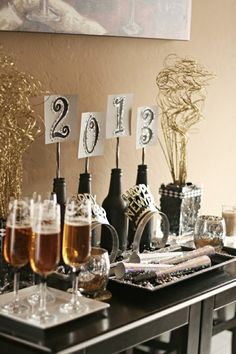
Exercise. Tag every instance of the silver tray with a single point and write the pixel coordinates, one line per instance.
(60, 298)
(218, 262)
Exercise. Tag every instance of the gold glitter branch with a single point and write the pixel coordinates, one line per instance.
(181, 86)
(18, 126)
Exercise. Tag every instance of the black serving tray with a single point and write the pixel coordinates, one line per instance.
(230, 250)
(218, 260)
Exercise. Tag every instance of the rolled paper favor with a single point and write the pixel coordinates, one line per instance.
(170, 248)
(207, 250)
(153, 257)
(190, 265)
(187, 267)
(123, 268)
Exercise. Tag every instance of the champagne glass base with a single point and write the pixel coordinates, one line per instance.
(34, 299)
(73, 307)
(40, 16)
(102, 295)
(42, 317)
(70, 290)
(132, 29)
(13, 308)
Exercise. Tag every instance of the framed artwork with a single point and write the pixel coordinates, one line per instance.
(167, 19)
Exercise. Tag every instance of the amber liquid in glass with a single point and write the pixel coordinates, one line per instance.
(214, 241)
(45, 252)
(16, 245)
(76, 244)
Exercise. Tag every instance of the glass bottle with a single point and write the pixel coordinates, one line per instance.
(146, 239)
(115, 207)
(85, 187)
(85, 183)
(59, 188)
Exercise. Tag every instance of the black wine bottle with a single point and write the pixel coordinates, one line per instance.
(85, 183)
(85, 187)
(115, 207)
(2, 224)
(146, 239)
(59, 188)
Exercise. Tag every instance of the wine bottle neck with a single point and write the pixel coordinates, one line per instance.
(85, 183)
(59, 188)
(142, 175)
(115, 182)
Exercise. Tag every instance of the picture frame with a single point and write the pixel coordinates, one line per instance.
(164, 19)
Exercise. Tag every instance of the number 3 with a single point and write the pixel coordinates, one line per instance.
(146, 132)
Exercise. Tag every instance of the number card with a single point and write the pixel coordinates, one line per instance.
(60, 118)
(146, 133)
(92, 134)
(118, 117)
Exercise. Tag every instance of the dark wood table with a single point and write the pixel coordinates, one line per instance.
(132, 318)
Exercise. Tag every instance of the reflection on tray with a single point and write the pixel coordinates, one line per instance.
(60, 298)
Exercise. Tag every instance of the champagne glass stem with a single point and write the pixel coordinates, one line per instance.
(44, 6)
(76, 285)
(75, 297)
(33, 279)
(16, 288)
(132, 16)
(42, 289)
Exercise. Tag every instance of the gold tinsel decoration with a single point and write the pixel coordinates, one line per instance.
(18, 127)
(181, 84)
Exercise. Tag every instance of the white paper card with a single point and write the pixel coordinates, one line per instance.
(118, 117)
(92, 134)
(60, 114)
(146, 132)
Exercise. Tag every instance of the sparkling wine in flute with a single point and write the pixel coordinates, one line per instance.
(16, 245)
(76, 244)
(45, 252)
(76, 247)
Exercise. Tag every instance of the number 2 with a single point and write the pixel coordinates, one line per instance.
(60, 105)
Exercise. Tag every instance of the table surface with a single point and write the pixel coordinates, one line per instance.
(127, 309)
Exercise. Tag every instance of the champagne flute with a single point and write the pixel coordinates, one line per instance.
(45, 251)
(132, 28)
(43, 13)
(16, 247)
(34, 298)
(76, 246)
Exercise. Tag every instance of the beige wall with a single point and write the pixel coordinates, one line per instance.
(94, 67)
